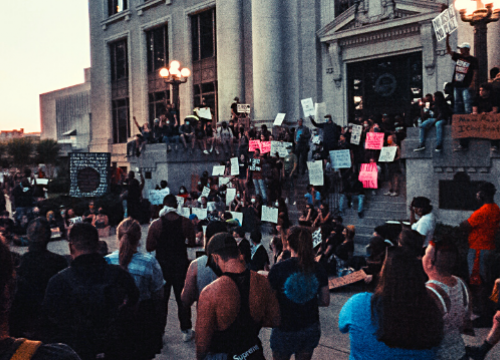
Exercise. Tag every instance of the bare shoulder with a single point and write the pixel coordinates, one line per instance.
(259, 281)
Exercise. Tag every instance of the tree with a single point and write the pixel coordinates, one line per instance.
(47, 152)
(20, 150)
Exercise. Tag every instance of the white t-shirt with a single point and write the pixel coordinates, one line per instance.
(425, 226)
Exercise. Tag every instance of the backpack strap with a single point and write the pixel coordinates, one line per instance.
(439, 296)
(465, 292)
(26, 349)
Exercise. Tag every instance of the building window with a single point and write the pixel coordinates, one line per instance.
(119, 91)
(203, 35)
(157, 40)
(157, 102)
(343, 5)
(117, 6)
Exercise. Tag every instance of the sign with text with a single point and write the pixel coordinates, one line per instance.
(180, 200)
(238, 216)
(388, 154)
(205, 192)
(156, 196)
(253, 144)
(218, 170)
(315, 169)
(235, 167)
(265, 147)
(279, 119)
(317, 238)
(89, 174)
(243, 108)
(308, 107)
(340, 159)
(368, 175)
(205, 113)
(224, 180)
(356, 134)
(319, 112)
(482, 126)
(280, 147)
(374, 141)
(230, 195)
(201, 213)
(337, 282)
(184, 211)
(269, 214)
(445, 23)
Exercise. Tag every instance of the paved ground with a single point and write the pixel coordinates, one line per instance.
(333, 344)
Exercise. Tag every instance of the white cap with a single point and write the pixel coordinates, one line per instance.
(464, 45)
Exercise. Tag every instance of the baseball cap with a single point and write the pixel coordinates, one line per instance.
(236, 99)
(220, 241)
(464, 45)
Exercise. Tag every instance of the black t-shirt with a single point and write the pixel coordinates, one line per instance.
(259, 260)
(243, 169)
(44, 352)
(297, 293)
(464, 70)
(485, 105)
(234, 107)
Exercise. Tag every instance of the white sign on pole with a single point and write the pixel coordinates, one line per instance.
(315, 173)
(243, 108)
(238, 216)
(269, 214)
(205, 113)
(38, 181)
(279, 119)
(388, 153)
(319, 112)
(205, 192)
(445, 23)
(356, 134)
(235, 167)
(340, 159)
(218, 170)
(201, 213)
(230, 195)
(308, 107)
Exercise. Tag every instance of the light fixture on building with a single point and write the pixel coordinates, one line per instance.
(175, 76)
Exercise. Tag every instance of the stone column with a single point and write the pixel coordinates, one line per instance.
(267, 69)
(493, 45)
(230, 73)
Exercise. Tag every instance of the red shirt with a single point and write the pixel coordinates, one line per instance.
(485, 222)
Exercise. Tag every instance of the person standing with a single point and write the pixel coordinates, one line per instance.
(301, 286)
(421, 206)
(331, 132)
(133, 195)
(167, 236)
(290, 165)
(255, 167)
(302, 136)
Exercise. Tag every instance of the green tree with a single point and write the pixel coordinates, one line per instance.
(20, 151)
(47, 152)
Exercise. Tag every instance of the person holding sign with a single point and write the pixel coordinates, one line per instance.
(302, 136)
(331, 132)
(301, 285)
(255, 168)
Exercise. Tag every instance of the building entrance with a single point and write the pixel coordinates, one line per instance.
(388, 85)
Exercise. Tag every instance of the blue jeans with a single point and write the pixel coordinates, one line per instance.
(463, 101)
(426, 125)
(344, 201)
(260, 188)
(482, 261)
(171, 139)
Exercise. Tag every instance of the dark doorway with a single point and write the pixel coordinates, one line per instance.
(459, 193)
(388, 85)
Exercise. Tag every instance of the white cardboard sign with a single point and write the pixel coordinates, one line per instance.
(279, 119)
(388, 153)
(235, 167)
(218, 170)
(269, 214)
(308, 107)
(315, 173)
(340, 159)
(356, 134)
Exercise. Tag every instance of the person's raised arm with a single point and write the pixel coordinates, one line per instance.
(448, 47)
(315, 123)
(137, 124)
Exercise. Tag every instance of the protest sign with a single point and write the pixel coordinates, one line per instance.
(238, 216)
(224, 180)
(275, 147)
(482, 126)
(201, 213)
(308, 107)
(284, 151)
(388, 154)
(445, 23)
(230, 195)
(319, 112)
(337, 282)
(235, 167)
(38, 181)
(243, 108)
(315, 173)
(340, 159)
(374, 141)
(156, 196)
(356, 134)
(368, 175)
(253, 144)
(269, 214)
(180, 200)
(265, 147)
(316, 238)
(185, 211)
(316, 140)
(205, 113)
(205, 192)
(279, 119)
(218, 170)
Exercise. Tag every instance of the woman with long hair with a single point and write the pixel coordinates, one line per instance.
(400, 320)
(148, 277)
(301, 285)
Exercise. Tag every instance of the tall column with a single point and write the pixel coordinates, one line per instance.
(230, 73)
(267, 69)
(481, 52)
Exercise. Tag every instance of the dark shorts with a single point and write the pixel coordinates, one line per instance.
(304, 341)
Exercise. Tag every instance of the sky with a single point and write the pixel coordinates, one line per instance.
(44, 47)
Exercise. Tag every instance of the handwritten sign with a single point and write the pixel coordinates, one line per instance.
(38, 181)
(368, 175)
(269, 214)
(243, 108)
(235, 167)
(284, 151)
(319, 112)
(445, 23)
(337, 282)
(205, 192)
(308, 107)
(374, 141)
(388, 154)
(275, 147)
(316, 238)
(238, 216)
(224, 180)
(340, 159)
(279, 119)
(205, 113)
(265, 147)
(230, 195)
(218, 170)
(156, 196)
(201, 213)
(315, 173)
(482, 126)
(356, 134)
(253, 144)
(184, 211)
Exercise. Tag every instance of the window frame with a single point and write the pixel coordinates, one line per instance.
(113, 6)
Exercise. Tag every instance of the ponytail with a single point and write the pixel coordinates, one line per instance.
(300, 240)
(129, 234)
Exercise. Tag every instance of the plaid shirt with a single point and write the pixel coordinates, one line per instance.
(145, 270)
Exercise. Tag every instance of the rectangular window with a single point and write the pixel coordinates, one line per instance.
(119, 60)
(121, 122)
(119, 91)
(203, 35)
(157, 102)
(117, 6)
(157, 43)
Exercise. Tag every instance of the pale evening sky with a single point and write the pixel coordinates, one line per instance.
(45, 47)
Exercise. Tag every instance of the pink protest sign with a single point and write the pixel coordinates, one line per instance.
(374, 141)
(253, 144)
(265, 147)
(368, 175)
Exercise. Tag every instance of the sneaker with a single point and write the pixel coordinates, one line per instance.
(438, 149)
(494, 149)
(217, 151)
(205, 152)
(393, 194)
(187, 335)
(420, 148)
(211, 149)
(388, 193)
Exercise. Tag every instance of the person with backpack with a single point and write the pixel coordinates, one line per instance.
(89, 304)
(302, 136)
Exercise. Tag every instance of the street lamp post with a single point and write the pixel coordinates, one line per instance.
(175, 76)
(479, 14)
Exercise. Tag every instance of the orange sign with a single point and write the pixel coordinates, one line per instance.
(336, 282)
(482, 126)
